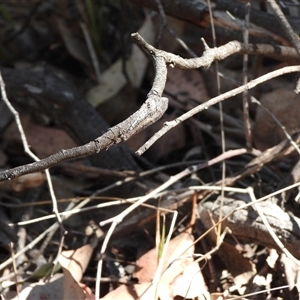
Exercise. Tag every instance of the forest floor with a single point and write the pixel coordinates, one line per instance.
(209, 211)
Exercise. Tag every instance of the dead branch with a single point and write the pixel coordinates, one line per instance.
(43, 91)
(253, 83)
(151, 110)
(247, 226)
(196, 12)
(282, 149)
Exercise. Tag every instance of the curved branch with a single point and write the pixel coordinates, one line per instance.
(155, 105)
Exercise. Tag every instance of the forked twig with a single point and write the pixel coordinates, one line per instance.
(155, 105)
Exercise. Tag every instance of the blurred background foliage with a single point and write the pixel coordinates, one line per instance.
(37, 31)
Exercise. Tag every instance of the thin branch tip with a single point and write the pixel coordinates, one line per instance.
(206, 47)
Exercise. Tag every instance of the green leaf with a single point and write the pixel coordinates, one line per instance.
(43, 271)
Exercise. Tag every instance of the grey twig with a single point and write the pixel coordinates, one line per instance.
(247, 123)
(285, 24)
(169, 125)
(37, 160)
(155, 105)
(152, 110)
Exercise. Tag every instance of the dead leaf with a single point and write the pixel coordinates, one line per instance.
(284, 104)
(24, 182)
(72, 289)
(167, 41)
(42, 290)
(190, 284)
(113, 79)
(61, 286)
(178, 260)
(178, 256)
(28, 181)
(88, 292)
(144, 291)
(76, 261)
(44, 141)
(187, 87)
(74, 45)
